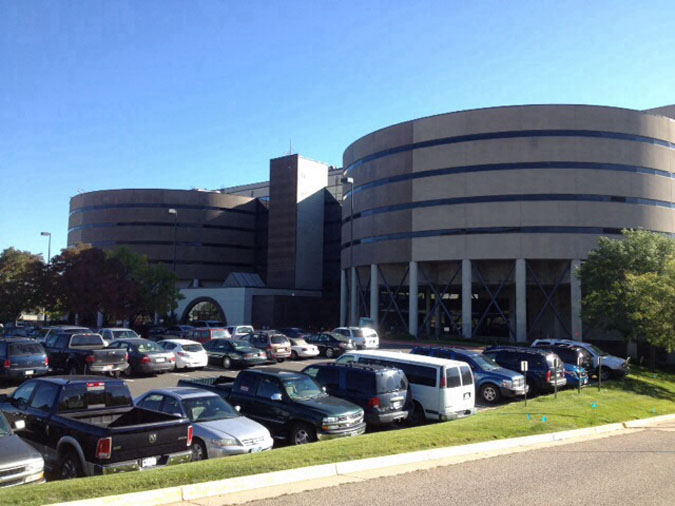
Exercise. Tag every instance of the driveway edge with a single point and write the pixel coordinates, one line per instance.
(246, 483)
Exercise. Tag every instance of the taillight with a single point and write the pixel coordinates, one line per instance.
(269, 348)
(374, 402)
(7, 364)
(444, 382)
(126, 357)
(145, 360)
(189, 439)
(181, 353)
(342, 345)
(46, 361)
(172, 359)
(548, 376)
(90, 359)
(104, 448)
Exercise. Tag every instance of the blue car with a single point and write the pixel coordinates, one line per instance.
(493, 382)
(21, 359)
(575, 374)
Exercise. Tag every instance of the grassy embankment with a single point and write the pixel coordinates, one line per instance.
(641, 395)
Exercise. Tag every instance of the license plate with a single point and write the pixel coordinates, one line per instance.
(149, 462)
(396, 405)
(282, 350)
(159, 359)
(256, 450)
(107, 367)
(29, 373)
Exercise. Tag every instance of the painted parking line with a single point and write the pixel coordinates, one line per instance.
(182, 374)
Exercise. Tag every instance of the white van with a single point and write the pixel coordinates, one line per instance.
(442, 389)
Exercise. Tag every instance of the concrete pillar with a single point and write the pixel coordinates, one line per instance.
(343, 297)
(575, 302)
(467, 292)
(521, 300)
(354, 300)
(374, 294)
(99, 319)
(437, 317)
(427, 311)
(413, 302)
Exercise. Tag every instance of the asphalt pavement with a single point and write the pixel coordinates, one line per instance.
(634, 467)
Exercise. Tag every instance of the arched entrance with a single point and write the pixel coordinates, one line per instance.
(203, 308)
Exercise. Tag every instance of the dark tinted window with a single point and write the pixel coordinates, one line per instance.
(328, 376)
(94, 395)
(62, 341)
(467, 377)
(153, 402)
(247, 384)
(417, 374)
(361, 382)
(452, 377)
(25, 349)
(44, 396)
(268, 387)
(24, 392)
(86, 340)
(391, 380)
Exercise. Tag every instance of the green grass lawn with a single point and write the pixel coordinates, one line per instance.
(641, 395)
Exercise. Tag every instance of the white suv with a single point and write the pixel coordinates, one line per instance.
(612, 366)
(362, 337)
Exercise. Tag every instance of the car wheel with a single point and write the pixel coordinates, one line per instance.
(198, 450)
(605, 373)
(279, 360)
(301, 434)
(294, 355)
(127, 371)
(416, 415)
(490, 393)
(329, 353)
(70, 466)
(227, 363)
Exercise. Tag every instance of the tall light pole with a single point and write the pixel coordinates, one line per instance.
(49, 245)
(350, 181)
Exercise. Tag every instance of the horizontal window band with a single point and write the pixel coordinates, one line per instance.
(535, 197)
(157, 224)
(488, 230)
(510, 134)
(216, 264)
(150, 205)
(190, 244)
(543, 165)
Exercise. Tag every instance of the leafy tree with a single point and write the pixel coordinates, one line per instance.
(612, 280)
(21, 273)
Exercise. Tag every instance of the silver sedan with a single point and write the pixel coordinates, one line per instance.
(219, 429)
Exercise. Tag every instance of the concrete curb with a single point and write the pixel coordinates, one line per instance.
(247, 483)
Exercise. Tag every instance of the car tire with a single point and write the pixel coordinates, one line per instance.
(115, 374)
(490, 393)
(605, 374)
(416, 415)
(198, 450)
(329, 353)
(294, 355)
(128, 372)
(70, 466)
(226, 363)
(302, 433)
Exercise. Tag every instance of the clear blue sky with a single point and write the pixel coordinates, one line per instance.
(184, 93)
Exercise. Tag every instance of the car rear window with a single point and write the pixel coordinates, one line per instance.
(94, 395)
(278, 340)
(193, 347)
(467, 377)
(390, 381)
(25, 349)
(149, 346)
(452, 377)
(86, 340)
(361, 381)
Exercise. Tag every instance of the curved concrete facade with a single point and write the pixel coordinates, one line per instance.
(531, 184)
(215, 233)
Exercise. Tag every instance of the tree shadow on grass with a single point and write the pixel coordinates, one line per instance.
(641, 387)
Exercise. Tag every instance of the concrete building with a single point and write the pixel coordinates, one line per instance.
(473, 222)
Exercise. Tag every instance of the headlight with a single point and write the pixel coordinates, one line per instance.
(329, 419)
(35, 466)
(221, 443)
(507, 383)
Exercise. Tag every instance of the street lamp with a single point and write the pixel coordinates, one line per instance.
(350, 181)
(175, 225)
(49, 245)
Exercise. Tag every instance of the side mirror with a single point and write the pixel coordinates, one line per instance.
(238, 408)
(323, 389)
(276, 397)
(19, 425)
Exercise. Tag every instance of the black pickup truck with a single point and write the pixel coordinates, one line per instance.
(290, 404)
(85, 354)
(86, 426)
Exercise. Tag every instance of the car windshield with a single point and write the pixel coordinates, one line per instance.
(215, 334)
(299, 342)
(193, 347)
(149, 346)
(302, 388)
(598, 351)
(486, 363)
(208, 409)
(241, 346)
(25, 349)
(4, 426)
(118, 334)
(243, 330)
